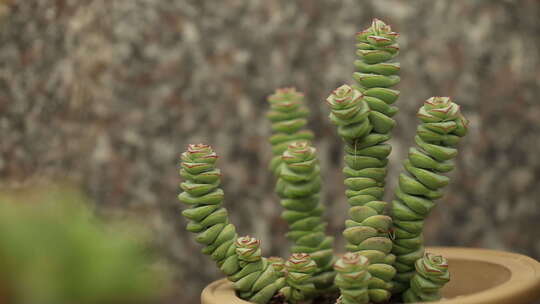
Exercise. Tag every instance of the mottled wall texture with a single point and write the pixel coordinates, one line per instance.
(108, 93)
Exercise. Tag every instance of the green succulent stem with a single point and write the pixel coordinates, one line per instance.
(298, 186)
(367, 229)
(288, 115)
(258, 280)
(206, 214)
(377, 73)
(240, 259)
(431, 275)
(442, 126)
(363, 115)
(352, 278)
(298, 271)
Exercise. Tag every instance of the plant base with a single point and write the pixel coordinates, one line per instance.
(478, 276)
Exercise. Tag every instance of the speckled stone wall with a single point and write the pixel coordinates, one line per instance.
(108, 93)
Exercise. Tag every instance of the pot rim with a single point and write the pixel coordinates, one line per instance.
(522, 285)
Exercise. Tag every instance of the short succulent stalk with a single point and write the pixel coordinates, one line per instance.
(204, 198)
(431, 275)
(298, 185)
(288, 116)
(258, 280)
(442, 126)
(278, 264)
(352, 278)
(299, 270)
(367, 230)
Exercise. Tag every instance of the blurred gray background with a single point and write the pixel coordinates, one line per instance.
(108, 93)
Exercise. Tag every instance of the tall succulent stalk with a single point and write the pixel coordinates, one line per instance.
(352, 279)
(442, 125)
(288, 115)
(363, 115)
(431, 275)
(204, 198)
(298, 185)
(239, 259)
(367, 230)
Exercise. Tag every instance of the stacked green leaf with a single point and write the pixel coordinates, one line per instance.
(278, 264)
(431, 275)
(368, 228)
(377, 46)
(240, 259)
(436, 138)
(299, 270)
(353, 278)
(288, 115)
(258, 280)
(298, 185)
(208, 218)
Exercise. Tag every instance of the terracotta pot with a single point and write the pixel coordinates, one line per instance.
(478, 276)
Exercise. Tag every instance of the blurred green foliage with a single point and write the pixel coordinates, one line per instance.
(53, 250)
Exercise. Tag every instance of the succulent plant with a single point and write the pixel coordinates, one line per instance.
(298, 185)
(353, 278)
(299, 270)
(436, 139)
(431, 275)
(288, 115)
(385, 251)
